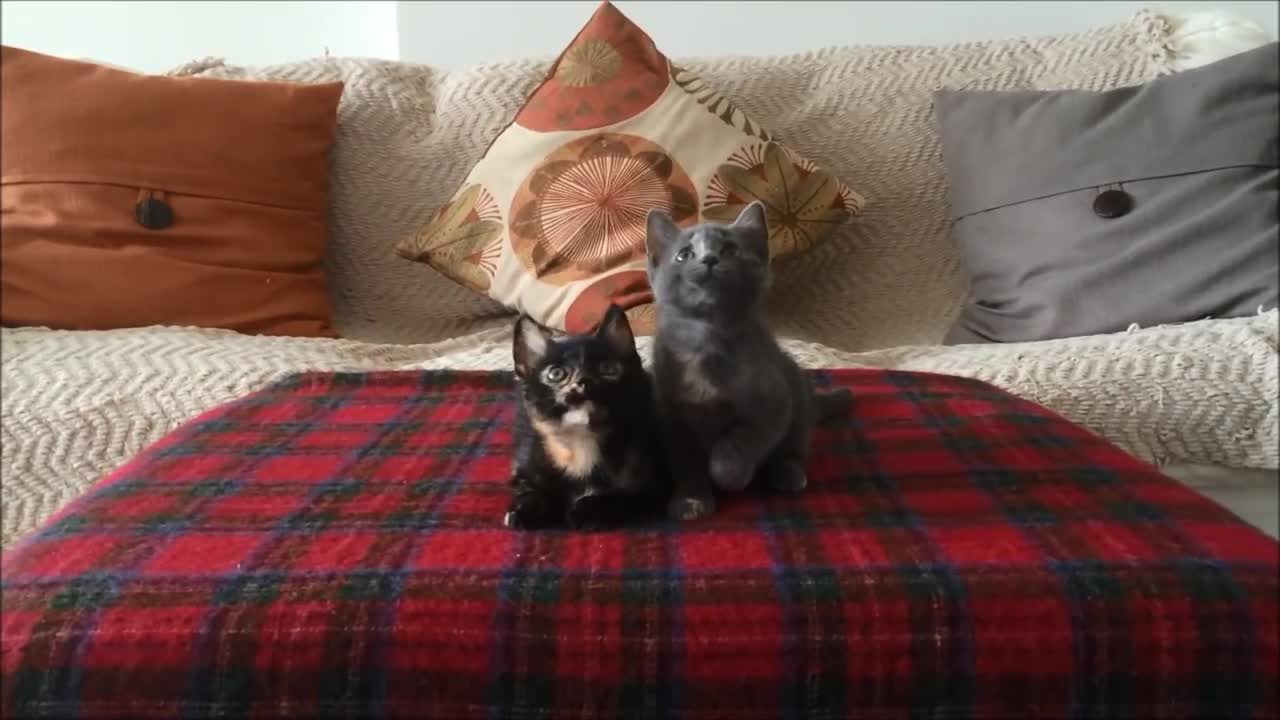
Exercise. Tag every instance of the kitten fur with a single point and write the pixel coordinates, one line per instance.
(737, 408)
(587, 453)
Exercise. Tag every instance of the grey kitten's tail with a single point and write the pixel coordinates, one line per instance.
(830, 404)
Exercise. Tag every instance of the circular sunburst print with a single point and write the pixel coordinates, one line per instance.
(624, 289)
(611, 72)
(582, 210)
(590, 63)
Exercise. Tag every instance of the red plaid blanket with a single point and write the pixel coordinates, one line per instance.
(332, 546)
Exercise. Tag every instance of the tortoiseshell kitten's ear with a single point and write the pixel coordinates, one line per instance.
(529, 345)
(615, 329)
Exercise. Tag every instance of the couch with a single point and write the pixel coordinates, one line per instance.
(1199, 399)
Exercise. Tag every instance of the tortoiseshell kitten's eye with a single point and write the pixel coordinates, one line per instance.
(554, 374)
(610, 369)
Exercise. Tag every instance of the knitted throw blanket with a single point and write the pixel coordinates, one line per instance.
(333, 547)
(79, 404)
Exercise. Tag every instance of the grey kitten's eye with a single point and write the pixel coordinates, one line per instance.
(684, 255)
(555, 374)
(611, 369)
(729, 250)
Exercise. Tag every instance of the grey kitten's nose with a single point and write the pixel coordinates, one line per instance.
(710, 260)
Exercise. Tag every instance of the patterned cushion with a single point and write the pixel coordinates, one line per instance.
(551, 220)
(332, 546)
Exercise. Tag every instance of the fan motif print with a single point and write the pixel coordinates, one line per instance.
(803, 204)
(466, 235)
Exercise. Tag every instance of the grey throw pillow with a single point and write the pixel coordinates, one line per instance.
(1079, 213)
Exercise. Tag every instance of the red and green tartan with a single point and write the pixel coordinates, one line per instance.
(332, 546)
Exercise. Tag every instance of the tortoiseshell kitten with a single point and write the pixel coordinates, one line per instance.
(587, 451)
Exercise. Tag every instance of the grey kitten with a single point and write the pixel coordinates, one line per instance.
(737, 408)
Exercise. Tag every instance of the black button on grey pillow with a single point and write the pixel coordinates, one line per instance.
(1082, 213)
(1112, 204)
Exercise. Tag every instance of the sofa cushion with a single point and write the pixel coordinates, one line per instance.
(133, 200)
(334, 545)
(551, 221)
(1080, 213)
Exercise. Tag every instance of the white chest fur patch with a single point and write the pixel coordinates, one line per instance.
(571, 444)
(696, 384)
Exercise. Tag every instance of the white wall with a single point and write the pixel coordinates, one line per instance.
(158, 36)
(454, 33)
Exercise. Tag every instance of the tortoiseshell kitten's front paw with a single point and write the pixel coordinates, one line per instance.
(532, 512)
(596, 512)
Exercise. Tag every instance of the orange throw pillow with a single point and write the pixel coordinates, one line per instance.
(129, 200)
(551, 221)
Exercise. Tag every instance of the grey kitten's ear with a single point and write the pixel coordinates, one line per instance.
(615, 329)
(752, 224)
(529, 345)
(660, 230)
(752, 216)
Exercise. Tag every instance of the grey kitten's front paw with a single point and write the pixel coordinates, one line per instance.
(690, 508)
(729, 471)
(785, 476)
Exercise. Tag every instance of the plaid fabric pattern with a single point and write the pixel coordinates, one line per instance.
(332, 546)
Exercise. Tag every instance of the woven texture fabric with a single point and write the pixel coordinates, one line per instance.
(409, 134)
(332, 546)
(78, 405)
